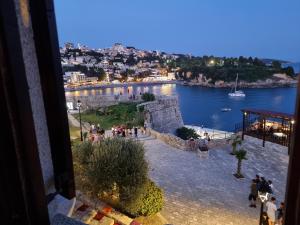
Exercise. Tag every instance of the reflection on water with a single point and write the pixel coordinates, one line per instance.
(165, 89)
(202, 106)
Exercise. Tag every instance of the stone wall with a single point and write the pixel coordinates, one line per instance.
(169, 139)
(163, 114)
(98, 101)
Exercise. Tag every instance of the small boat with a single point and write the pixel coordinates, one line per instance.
(236, 93)
(226, 109)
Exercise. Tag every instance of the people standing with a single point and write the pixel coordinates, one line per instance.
(145, 127)
(280, 214)
(271, 186)
(271, 211)
(253, 194)
(135, 132)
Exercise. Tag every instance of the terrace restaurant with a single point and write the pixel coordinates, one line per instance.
(276, 127)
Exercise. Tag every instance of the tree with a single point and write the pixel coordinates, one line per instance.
(116, 171)
(101, 74)
(276, 64)
(186, 133)
(289, 71)
(148, 97)
(240, 155)
(235, 141)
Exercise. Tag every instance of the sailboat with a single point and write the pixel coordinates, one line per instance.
(237, 93)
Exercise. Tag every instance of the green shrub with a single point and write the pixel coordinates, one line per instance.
(117, 166)
(83, 152)
(149, 202)
(186, 133)
(148, 97)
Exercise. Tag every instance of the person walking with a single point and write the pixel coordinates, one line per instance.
(271, 211)
(253, 194)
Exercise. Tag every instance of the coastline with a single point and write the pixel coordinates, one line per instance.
(274, 84)
(89, 87)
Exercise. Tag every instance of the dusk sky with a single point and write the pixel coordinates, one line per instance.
(261, 28)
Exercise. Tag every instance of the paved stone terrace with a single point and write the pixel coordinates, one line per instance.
(204, 191)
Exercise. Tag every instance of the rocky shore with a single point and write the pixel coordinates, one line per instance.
(277, 80)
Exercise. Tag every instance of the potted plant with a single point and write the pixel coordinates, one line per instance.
(235, 141)
(240, 155)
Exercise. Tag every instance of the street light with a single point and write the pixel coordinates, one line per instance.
(79, 106)
(263, 196)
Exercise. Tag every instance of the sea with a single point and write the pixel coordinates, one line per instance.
(202, 106)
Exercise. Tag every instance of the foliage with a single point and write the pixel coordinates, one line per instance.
(148, 97)
(149, 202)
(235, 141)
(186, 133)
(117, 167)
(85, 134)
(240, 155)
(122, 113)
(249, 70)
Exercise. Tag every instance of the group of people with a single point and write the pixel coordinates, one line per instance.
(272, 215)
(123, 131)
(201, 144)
(96, 133)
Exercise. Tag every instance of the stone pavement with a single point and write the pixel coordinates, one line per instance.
(204, 191)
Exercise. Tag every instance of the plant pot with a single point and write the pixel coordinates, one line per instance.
(238, 176)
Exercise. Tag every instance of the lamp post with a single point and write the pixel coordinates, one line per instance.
(79, 106)
(263, 196)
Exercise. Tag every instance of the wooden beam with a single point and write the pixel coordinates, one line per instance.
(292, 198)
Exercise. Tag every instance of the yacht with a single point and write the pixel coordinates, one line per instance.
(236, 93)
(226, 109)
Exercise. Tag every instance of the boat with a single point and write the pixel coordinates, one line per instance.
(226, 109)
(237, 93)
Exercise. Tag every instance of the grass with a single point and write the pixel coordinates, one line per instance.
(74, 132)
(120, 114)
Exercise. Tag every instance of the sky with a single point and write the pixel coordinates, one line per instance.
(257, 28)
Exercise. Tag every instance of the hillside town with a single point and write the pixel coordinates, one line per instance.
(84, 66)
(118, 64)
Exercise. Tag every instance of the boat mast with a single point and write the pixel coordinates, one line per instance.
(237, 75)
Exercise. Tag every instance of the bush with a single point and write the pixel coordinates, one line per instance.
(117, 167)
(148, 97)
(149, 202)
(186, 133)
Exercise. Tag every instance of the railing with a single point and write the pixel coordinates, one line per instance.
(283, 140)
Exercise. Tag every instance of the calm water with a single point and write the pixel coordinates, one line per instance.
(202, 106)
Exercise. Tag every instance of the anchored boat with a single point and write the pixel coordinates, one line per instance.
(236, 93)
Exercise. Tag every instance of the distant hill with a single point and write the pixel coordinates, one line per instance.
(296, 66)
(269, 61)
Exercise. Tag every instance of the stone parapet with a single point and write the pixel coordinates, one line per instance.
(163, 114)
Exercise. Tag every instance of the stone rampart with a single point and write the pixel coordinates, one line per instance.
(98, 101)
(163, 114)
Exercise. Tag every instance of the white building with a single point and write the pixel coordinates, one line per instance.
(75, 77)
